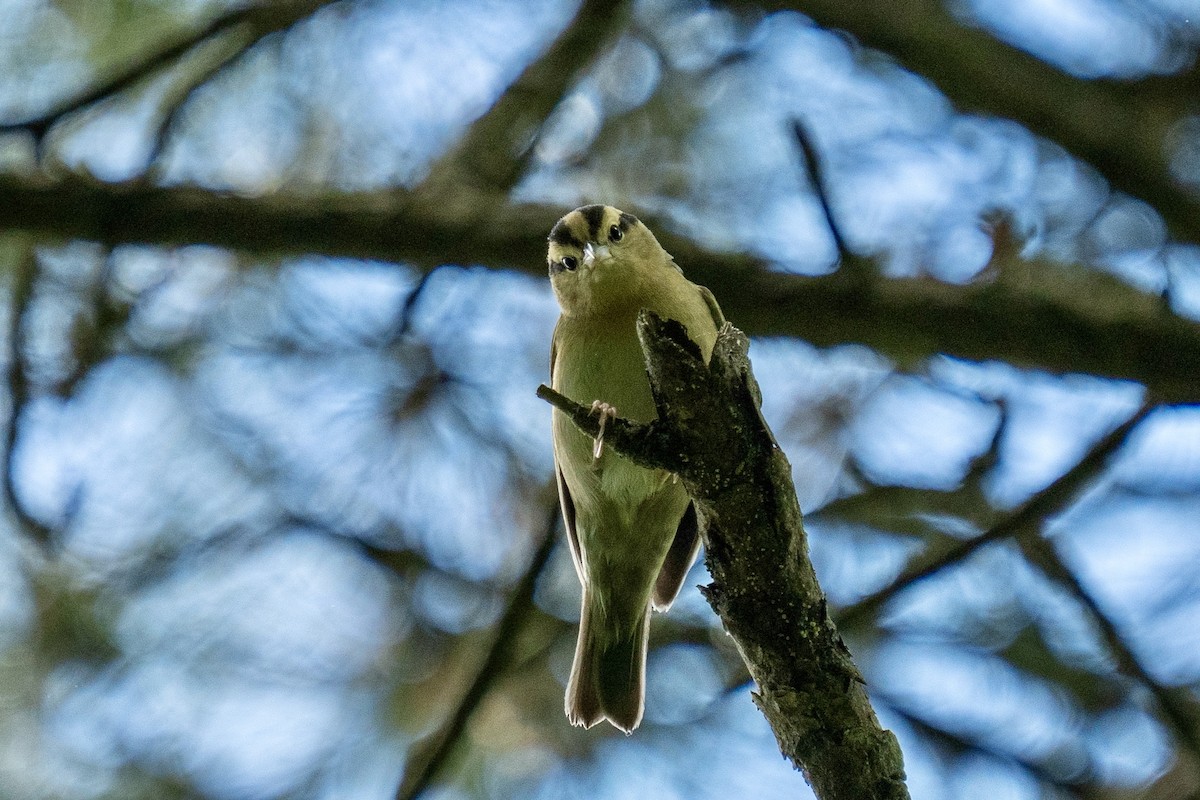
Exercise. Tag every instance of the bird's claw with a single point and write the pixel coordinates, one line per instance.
(606, 413)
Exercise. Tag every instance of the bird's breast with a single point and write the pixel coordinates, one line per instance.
(603, 362)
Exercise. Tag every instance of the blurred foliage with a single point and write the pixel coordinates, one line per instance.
(279, 526)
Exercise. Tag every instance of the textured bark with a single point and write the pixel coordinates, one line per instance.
(711, 433)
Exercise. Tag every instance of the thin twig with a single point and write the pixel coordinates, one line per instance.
(1177, 708)
(1078, 785)
(408, 311)
(495, 150)
(261, 19)
(1028, 517)
(126, 76)
(1117, 126)
(95, 329)
(24, 278)
(816, 174)
(230, 45)
(434, 751)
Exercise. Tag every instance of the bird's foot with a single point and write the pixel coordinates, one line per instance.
(606, 413)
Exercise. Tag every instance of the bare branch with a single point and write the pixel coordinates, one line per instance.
(1119, 127)
(1178, 708)
(493, 153)
(23, 279)
(647, 444)
(405, 318)
(1040, 314)
(430, 755)
(1078, 785)
(213, 55)
(1026, 520)
(95, 330)
(816, 175)
(259, 20)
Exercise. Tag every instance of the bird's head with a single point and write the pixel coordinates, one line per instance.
(600, 257)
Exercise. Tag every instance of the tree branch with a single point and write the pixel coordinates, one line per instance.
(493, 153)
(23, 279)
(816, 175)
(1079, 784)
(1119, 127)
(1039, 314)
(1024, 524)
(259, 19)
(1176, 706)
(711, 434)
(212, 55)
(908, 510)
(430, 755)
(1025, 519)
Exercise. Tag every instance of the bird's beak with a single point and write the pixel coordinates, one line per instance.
(593, 253)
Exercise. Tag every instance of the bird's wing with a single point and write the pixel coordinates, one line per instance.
(686, 544)
(564, 494)
(678, 562)
(568, 512)
(714, 309)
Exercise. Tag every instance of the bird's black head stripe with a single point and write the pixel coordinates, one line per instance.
(561, 234)
(626, 221)
(595, 218)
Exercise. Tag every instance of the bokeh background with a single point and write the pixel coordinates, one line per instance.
(279, 512)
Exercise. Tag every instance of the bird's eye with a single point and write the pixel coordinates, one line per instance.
(615, 234)
(570, 262)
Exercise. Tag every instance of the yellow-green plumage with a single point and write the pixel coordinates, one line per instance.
(633, 534)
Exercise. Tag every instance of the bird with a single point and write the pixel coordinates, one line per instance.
(633, 532)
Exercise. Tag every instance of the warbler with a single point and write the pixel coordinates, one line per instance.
(633, 531)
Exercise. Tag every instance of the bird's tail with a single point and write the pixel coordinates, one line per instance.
(608, 678)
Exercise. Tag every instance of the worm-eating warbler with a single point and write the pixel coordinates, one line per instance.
(633, 531)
